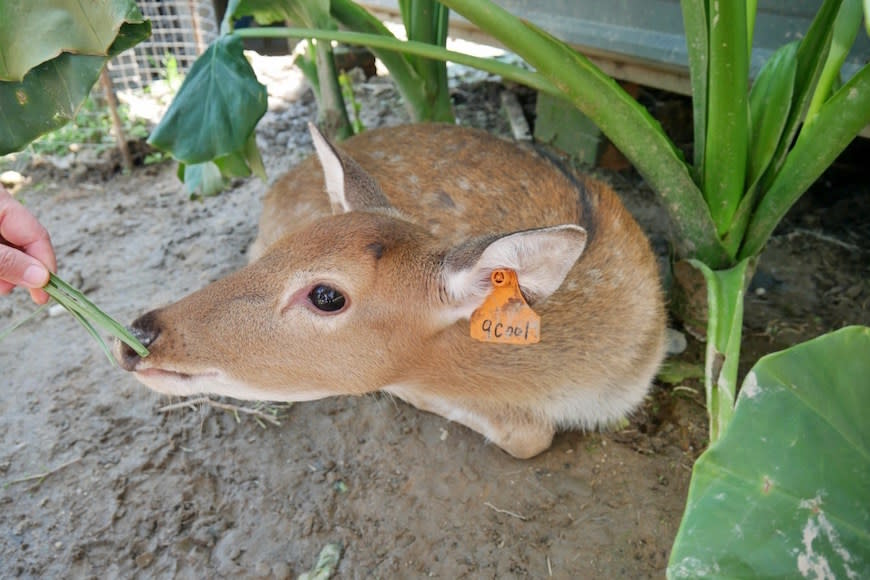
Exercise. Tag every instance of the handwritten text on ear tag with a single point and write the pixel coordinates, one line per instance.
(505, 317)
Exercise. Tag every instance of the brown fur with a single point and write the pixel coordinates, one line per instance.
(602, 329)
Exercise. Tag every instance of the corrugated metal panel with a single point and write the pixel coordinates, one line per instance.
(642, 40)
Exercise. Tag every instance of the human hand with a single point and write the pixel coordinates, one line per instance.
(26, 253)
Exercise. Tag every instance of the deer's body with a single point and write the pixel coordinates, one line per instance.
(411, 260)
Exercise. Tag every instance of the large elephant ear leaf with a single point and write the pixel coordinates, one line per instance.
(216, 109)
(786, 491)
(51, 54)
(37, 31)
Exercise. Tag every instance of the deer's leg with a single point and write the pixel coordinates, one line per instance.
(516, 434)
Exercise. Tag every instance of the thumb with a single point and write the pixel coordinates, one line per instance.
(19, 269)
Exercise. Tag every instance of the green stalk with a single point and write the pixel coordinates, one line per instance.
(839, 120)
(725, 289)
(88, 315)
(698, 47)
(725, 151)
(390, 43)
(751, 11)
(334, 110)
(407, 79)
(426, 21)
(16, 325)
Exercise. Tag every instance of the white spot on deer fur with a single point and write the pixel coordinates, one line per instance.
(818, 539)
(750, 386)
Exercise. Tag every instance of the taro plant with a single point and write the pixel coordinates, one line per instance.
(51, 54)
(785, 493)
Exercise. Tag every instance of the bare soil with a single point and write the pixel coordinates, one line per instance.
(99, 481)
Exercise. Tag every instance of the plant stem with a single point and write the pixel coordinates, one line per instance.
(698, 47)
(507, 71)
(725, 289)
(409, 82)
(88, 314)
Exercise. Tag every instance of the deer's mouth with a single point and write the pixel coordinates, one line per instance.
(176, 383)
(159, 373)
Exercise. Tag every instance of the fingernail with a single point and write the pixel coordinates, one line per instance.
(34, 277)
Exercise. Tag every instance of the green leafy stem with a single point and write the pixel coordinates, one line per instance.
(89, 316)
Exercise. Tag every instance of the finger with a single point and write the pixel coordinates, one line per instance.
(43, 251)
(19, 228)
(5, 287)
(19, 269)
(39, 296)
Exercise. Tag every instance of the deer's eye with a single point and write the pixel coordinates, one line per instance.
(326, 298)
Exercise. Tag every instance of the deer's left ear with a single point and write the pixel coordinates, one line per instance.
(349, 187)
(541, 259)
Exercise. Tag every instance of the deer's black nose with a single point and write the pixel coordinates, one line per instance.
(146, 330)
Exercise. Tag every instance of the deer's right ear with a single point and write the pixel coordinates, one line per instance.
(349, 187)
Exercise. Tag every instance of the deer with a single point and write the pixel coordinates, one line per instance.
(373, 259)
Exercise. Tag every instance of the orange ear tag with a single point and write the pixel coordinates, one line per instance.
(505, 317)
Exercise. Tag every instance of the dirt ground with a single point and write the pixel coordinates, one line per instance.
(99, 479)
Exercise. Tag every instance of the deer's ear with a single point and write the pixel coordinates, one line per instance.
(349, 187)
(541, 259)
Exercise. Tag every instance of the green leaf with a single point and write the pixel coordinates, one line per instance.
(846, 27)
(769, 105)
(43, 34)
(201, 179)
(242, 163)
(327, 561)
(265, 12)
(313, 13)
(839, 120)
(46, 99)
(697, 45)
(727, 137)
(811, 55)
(216, 108)
(36, 31)
(89, 314)
(674, 372)
(786, 492)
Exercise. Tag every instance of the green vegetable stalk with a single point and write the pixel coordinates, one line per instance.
(90, 316)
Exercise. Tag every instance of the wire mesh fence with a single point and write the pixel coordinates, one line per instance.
(180, 31)
(143, 78)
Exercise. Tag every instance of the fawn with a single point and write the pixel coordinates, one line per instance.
(372, 287)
